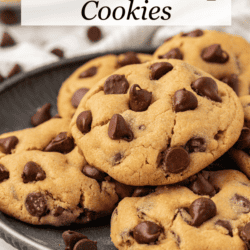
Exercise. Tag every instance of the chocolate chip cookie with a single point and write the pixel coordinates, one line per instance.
(85, 77)
(156, 123)
(213, 212)
(224, 56)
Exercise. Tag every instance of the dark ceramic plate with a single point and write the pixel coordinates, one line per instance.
(19, 101)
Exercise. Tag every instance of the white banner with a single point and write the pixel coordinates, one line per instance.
(126, 12)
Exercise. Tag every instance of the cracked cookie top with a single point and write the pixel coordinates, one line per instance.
(178, 217)
(85, 77)
(156, 123)
(224, 56)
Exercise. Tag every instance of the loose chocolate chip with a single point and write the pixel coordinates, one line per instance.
(93, 173)
(206, 86)
(8, 16)
(184, 100)
(83, 121)
(58, 211)
(89, 72)
(118, 129)
(15, 70)
(129, 58)
(245, 234)
(214, 54)
(168, 39)
(201, 210)
(94, 34)
(194, 33)
(176, 159)
(4, 173)
(226, 224)
(7, 40)
(202, 186)
(7, 144)
(42, 115)
(196, 144)
(241, 204)
(36, 204)
(85, 244)
(116, 84)
(58, 52)
(160, 69)
(244, 139)
(232, 81)
(142, 191)
(147, 232)
(61, 143)
(77, 97)
(71, 238)
(172, 54)
(33, 172)
(123, 190)
(139, 100)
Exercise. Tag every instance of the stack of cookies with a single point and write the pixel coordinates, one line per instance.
(139, 136)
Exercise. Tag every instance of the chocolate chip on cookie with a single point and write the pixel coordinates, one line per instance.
(71, 238)
(232, 81)
(84, 121)
(118, 129)
(93, 173)
(139, 100)
(172, 54)
(147, 232)
(160, 69)
(201, 210)
(57, 52)
(15, 70)
(129, 58)
(116, 84)
(245, 234)
(77, 97)
(7, 144)
(57, 211)
(89, 72)
(61, 143)
(226, 224)
(4, 173)
(123, 190)
(196, 144)
(194, 33)
(142, 191)
(240, 204)
(36, 204)
(184, 100)
(32, 172)
(94, 34)
(42, 115)
(214, 54)
(7, 40)
(206, 86)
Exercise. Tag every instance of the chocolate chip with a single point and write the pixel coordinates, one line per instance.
(196, 144)
(146, 232)
(42, 115)
(201, 210)
(4, 173)
(85, 244)
(57, 116)
(245, 234)
(83, 121)
(160, 69)
(36, 204)
(129, 58)
(214, 54)
(61, 143)
(176, 159)
(184, 100)
(33, 172)
(232, 81)
(244, 139)
(1, 78)
(77, 97)
(241, 204)
(71, 238)
(93, 173)
(58, 52)
(139, 100)
(142, 191)
(123, 190)
(117, 159)
(118, 129)
(206, 86)
(58, 211)
(8, 16)
(89, 72)
(116, 84)
(94, 34)
(15, 70)
(172, 54)
(226, 224)
(8, 143)
(194, 33)
(7, 40)
(201, 186)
